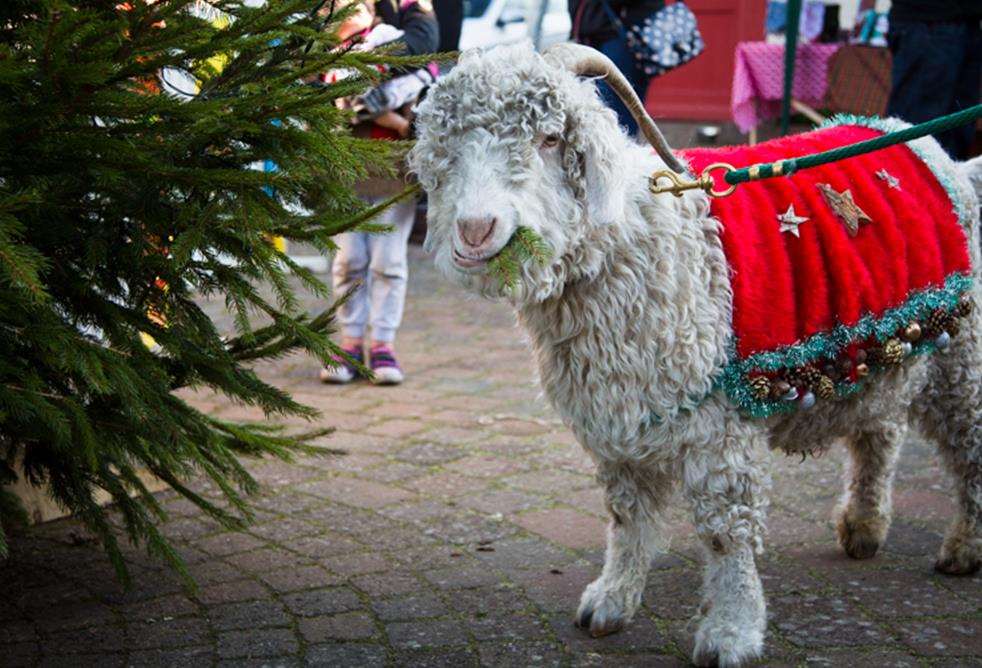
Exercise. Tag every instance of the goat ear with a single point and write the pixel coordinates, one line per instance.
(594, 141)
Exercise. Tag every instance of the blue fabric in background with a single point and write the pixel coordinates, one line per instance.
(616, 49)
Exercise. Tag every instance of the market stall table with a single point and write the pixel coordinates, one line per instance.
(758, 78)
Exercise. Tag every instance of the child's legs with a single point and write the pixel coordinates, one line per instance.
(349, 268)
(389, 270)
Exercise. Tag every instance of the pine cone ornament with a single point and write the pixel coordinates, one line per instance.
(825, 388)
(953, 327)
(937, 322)
(760, 387)
(892, 352)
(810, 376)
(964, 307)
(793, 376)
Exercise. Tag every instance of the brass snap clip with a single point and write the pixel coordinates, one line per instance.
(677, 186)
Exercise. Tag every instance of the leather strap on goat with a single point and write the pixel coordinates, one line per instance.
(734, 177)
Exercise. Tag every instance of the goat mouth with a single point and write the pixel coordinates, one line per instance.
(467, 262)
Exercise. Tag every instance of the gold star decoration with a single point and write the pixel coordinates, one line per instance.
(845, 208)
(890, 179)
(790, 221)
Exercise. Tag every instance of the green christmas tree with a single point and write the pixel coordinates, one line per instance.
(130, 135)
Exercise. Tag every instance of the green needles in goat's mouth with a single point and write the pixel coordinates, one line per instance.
(524, 245)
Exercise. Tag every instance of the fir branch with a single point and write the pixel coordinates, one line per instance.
(524, 246)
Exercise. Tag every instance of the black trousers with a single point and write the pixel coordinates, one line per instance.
(937, 70)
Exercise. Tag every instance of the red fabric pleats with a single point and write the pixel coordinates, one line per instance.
(788, 288)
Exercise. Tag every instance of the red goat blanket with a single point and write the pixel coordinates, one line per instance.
(834, 247)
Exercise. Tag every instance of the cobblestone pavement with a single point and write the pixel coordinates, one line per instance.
(459, 529)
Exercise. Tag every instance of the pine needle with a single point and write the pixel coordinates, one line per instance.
(525, 246)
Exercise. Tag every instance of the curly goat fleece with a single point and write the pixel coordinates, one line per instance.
(632, 319)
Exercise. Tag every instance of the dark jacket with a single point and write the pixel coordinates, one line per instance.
(416, 20)
(929, 11)
(592, 24)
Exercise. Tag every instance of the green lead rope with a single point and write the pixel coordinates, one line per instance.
(792, 165)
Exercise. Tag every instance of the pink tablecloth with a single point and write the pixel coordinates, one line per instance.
(758, 79)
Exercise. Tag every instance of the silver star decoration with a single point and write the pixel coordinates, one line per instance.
(891, 180)
(790, 221)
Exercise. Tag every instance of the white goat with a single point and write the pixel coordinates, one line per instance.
(632, 319)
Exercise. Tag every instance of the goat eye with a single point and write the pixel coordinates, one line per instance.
(550, 140)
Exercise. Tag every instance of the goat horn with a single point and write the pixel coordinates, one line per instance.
(584, 61)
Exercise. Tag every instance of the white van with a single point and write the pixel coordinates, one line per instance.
(490, 22)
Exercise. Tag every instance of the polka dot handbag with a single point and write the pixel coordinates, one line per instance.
(664, 40)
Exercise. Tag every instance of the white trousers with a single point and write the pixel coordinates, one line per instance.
(377, 264)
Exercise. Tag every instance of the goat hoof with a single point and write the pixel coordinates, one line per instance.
(727, 646)
(952, 566)
(860, 538)
(604, 612)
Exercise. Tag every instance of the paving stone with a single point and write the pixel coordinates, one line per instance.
(640, 634)
(295, 579)
(387, 583)
(356, 564)
(322, 602)
(900, 593)
(17, 632)
(346, 626)
(85, 641)
(399, 428)
(440, 658)
(507, 654)
(564, 526)
(228, 592)
(177, 605)
(228, 543)
(356, 492)
(556, 591)
(248, 614)
(192, 657)
(502, 501)
(166, 633)
(508, 626)
(457, 577)
(486, 466)
(345, 654)
(414, 606)
(430, 454)
(423, 633)
(550, 481)
(74, 660)
(522, 553)
(642, 660)
(858, 657)
(284, 661)
(816, 620)
(942, 637)
(256, 643)
(318, 547)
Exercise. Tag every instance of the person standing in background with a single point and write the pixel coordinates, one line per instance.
(937, 64)
(593, 26)
(450, 16)
(375, 266)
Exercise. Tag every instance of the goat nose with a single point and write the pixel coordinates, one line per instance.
(475, 231)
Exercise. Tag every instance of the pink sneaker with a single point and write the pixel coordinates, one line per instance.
(342, 371)
(384, 366)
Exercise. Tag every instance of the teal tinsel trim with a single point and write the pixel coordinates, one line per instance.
(828, 346)
(942, 172)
